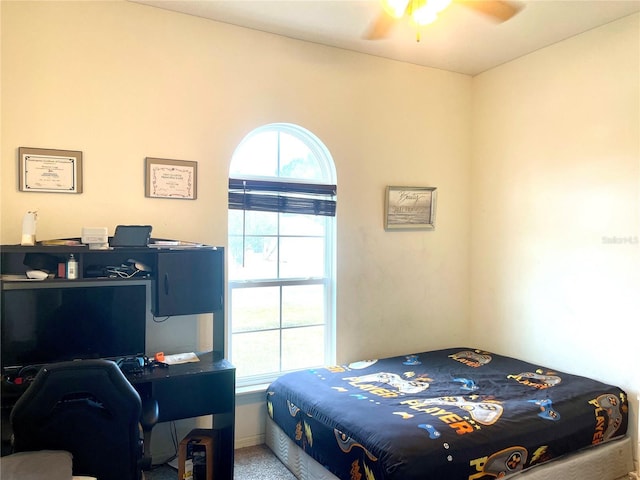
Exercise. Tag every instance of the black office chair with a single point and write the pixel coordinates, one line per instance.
(87, 408)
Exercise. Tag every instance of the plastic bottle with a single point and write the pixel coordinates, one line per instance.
(72, 268)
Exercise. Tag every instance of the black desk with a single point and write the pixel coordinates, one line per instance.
(195, 389)
(183, 391)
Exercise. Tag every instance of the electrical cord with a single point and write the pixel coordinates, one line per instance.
(120, 273)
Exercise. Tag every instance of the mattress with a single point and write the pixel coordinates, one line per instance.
(611, 461)
(458, 413)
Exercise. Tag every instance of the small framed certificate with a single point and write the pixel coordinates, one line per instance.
(49, 170)
(171, 178)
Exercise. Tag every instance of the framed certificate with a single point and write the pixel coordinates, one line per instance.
(171, 179)
(48, 170)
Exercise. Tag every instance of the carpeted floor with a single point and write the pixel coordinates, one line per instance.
(251, 463)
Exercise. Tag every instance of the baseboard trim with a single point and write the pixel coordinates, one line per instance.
(251, 441)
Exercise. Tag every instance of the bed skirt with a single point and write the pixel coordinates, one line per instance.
(610, 461)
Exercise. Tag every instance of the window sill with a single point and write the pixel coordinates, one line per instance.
(251, 389)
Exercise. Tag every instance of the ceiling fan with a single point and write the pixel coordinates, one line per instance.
(423, 12)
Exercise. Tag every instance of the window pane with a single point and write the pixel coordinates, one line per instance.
(301, 257)
(302, 305)
(258, 155)
(252, 223)
(258, 261)
(302, 347)
(256, 353)
(255, 308)
(258, 245)
(235, 222)
(297, 160)
(302, 225)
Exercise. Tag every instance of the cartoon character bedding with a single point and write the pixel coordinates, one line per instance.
(451, 414)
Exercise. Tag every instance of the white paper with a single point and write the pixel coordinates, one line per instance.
(181, 358)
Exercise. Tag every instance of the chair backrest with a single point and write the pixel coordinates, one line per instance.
(88, 408)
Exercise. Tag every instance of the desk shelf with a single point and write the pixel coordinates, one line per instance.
(185, 281)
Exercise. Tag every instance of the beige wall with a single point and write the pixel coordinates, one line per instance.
(122, 81)
(555, 250)
(536, 162)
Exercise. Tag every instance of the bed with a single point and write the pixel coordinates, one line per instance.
(454, 414)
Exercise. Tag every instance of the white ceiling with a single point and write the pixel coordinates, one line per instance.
(462, 40)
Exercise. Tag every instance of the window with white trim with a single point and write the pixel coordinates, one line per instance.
(281, 254)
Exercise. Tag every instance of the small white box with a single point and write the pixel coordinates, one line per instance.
(98, 235)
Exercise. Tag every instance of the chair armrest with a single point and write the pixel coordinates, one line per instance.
(149, 414)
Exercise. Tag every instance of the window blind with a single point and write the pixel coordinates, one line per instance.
(284, 197)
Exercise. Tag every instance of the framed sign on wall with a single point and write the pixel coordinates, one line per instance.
(410, 208)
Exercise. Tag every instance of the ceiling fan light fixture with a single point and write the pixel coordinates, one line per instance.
(438, 5)
(395, 8)
(424, 15)
(426, 12)
(423, 12)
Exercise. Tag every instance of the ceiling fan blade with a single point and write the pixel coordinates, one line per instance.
(380, 27)
(500, 11)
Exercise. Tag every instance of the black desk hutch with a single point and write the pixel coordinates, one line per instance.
(183, 281)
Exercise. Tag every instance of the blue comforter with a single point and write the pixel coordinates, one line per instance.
(454, 414)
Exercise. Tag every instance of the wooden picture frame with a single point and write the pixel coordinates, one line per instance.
(49, 170)
(166, 178)
(410, 208)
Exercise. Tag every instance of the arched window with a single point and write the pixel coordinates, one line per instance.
(281, 253)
